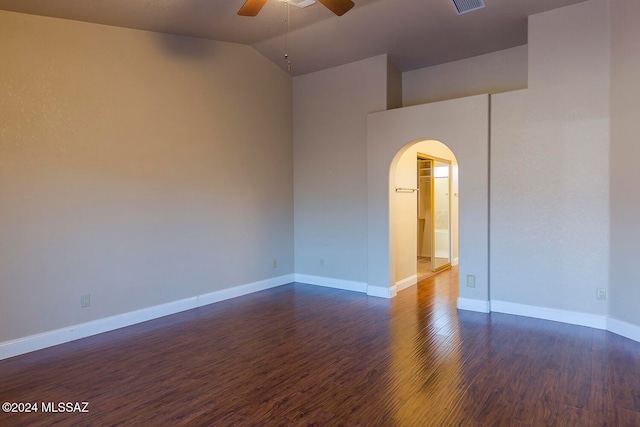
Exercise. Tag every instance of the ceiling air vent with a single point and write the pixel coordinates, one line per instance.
(301, 3)
(464, 6)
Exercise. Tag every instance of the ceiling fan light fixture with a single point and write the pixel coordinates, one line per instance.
(464, 6)
(301, 3)
(339, 7)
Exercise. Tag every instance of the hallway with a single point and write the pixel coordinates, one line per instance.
(424, 267)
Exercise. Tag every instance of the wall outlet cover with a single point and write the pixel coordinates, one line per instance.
(85, 300)
(471, 281)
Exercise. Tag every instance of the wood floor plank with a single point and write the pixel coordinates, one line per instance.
(300, 355)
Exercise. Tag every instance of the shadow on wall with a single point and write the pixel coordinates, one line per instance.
(185, 47)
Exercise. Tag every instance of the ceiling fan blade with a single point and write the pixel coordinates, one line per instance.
(339, 7)
(251, 7)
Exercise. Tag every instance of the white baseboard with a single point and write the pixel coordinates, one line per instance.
(328, 282)
(348, 285)
(455, 261)
(595, 321)
(249, 288)
(60, 336)
(564, 316)
(382, 292)
(473, 305)
(623, 328)
(407, 282)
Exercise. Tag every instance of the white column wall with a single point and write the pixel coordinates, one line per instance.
(390, 133)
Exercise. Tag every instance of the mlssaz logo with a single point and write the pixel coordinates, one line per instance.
(65, 406)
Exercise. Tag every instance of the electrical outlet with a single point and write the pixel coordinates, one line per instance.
(274, 263)
(601, 294)
(85, 300)
(471, 281)
(321, 262)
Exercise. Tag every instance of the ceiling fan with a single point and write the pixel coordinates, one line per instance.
(339, 7)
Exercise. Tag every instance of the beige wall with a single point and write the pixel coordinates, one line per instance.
(549, 168)
(496, 72)
(137, 167)
(330, 151)
(625, 152)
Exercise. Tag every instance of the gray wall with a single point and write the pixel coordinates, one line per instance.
(330, 151)
(137, 167)
(550, 142)
(549, 168)
(625, 152)
(496, 72)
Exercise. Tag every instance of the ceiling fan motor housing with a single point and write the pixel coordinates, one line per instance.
(301, 3)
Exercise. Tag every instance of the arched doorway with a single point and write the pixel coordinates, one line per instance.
(464, 124)
(426, 210)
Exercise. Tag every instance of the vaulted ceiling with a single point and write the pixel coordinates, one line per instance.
(414, 33)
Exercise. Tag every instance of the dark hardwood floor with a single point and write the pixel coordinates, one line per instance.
(301, 355)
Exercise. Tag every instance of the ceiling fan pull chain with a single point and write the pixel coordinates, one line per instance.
(286, 37)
